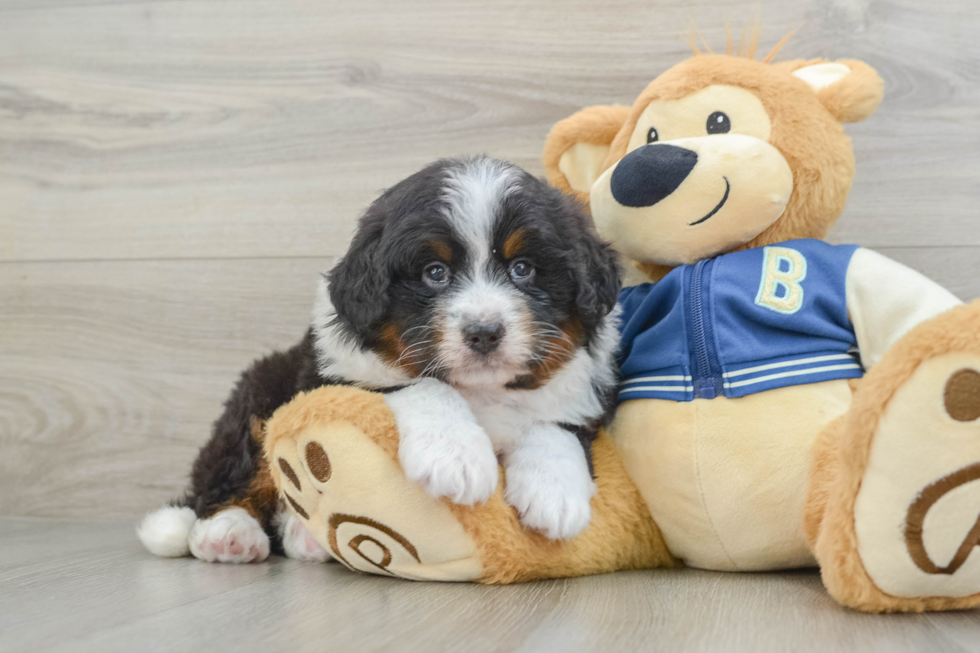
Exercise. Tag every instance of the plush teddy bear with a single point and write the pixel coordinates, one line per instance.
(785, 402)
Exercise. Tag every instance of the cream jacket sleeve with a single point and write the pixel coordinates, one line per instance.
(885, 300)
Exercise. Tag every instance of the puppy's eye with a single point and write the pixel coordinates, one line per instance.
(718, 123)
(521, 270)
(436, 275)
(653, 136)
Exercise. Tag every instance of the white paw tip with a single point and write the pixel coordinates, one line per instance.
(559, 511)
(164, 532)
(562, 525)
(464, 472)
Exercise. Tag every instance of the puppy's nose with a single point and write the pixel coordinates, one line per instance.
(483, 338)
(650, 173)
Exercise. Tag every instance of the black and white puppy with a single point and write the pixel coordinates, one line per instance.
(481, 302)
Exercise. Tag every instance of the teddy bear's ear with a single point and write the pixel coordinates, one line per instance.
(850, 90)
(577, 147)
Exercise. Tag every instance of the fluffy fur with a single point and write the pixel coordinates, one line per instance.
(513, 256)
(164, 531)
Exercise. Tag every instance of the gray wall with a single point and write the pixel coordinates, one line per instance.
(173, 176)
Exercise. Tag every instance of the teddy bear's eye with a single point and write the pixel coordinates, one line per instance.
(652, 135)
(718, 123)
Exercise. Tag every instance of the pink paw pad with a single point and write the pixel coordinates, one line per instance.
(230, 536)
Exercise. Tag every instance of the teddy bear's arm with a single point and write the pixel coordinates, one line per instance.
(885, 300)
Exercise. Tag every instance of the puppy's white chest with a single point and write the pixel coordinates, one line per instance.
(503, 418)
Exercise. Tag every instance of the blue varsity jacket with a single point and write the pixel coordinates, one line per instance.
(739, 324)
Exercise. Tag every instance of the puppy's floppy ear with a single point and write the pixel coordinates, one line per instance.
(595, 266)
(358, 284)
(850, 90)
(576, 148)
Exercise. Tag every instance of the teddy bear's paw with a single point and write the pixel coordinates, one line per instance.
(554, 500)
(348, 495)
(232, 535)
(457, 463)
(917, 513)
(298, 542)
(304, 470)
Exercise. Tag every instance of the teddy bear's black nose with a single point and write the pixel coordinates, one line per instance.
(650, 173)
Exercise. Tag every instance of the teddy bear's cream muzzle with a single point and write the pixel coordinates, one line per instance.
(676, 202)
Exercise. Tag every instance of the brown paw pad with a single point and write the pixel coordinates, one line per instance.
(290, 473)
(962, 395)
(297, 508)
(374, 543)
(318, 462)
(315, 467)
(916, 519)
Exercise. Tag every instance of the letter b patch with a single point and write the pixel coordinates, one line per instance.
(783, 270)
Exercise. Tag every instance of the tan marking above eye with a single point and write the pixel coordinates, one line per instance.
(442, 249)
(513, 244)
(962, 395)
(687, 117)
(318, 462)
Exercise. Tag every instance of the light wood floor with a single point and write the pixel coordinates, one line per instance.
(90, 587)
(174, 175)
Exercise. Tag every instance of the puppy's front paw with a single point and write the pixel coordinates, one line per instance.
(298, 543)
(459, 464)
(549, 483)
(553, 500)
(440, 444)
(232, 535)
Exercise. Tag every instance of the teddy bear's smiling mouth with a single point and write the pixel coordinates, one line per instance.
(724, 199)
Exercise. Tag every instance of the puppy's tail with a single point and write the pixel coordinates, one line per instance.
(164, 532)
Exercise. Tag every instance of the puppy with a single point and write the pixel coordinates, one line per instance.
(479, 300)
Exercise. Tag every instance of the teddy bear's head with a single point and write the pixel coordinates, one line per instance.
(717, 154)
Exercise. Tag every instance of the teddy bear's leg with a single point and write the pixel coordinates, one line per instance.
(333, 454)
(893, 512)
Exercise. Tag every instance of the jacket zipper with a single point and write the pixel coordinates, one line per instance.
(704, 382)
